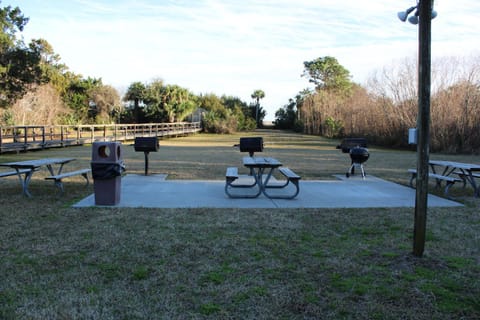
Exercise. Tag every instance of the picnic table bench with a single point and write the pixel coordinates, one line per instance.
(14, 173)
(231, 176)
(291, 177)
(450, 181)
(58, 177)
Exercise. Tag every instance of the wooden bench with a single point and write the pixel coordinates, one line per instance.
(448, 179)
(58, 178)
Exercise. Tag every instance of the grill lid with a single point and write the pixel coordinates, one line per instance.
(359, 154)
(251, 144)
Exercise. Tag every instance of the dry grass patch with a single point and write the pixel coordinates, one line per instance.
(108, 263)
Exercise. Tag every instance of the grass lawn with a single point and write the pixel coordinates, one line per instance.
(59, 262)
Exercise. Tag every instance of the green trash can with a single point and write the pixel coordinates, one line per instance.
(107, 169)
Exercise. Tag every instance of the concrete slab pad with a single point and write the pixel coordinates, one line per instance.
(153, 191)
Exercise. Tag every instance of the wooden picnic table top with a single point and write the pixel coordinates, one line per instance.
(261, 162)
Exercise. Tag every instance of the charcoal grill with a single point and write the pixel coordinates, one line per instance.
(349, 143)
(251, 145)
(359, 156)
(146, 144)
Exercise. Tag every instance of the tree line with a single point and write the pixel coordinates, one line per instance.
(36, 88)
(385, 107)
(159, 102)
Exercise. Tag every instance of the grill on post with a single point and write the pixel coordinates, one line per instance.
(147, 145)
(251, 145)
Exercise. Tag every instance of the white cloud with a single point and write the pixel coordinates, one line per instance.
(234, 47)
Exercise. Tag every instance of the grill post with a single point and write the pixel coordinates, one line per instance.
(146, 161)
(146, 144)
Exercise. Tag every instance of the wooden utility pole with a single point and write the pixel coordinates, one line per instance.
(425, 8)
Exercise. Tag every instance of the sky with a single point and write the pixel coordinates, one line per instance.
(230, 47)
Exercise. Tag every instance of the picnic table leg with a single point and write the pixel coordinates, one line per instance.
(52, 172)
(476, 189)
(464, 176)
(269, 175)
(446, 172)
(229, 184)
(265, 186)
(25, 181)
(57, 183)
(438, 183)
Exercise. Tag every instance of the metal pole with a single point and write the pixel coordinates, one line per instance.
(146, 162)
(423, 124)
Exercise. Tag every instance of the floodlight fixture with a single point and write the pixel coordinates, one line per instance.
(414, 19)
(403, 15)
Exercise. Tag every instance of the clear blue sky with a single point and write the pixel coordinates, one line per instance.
(234, 47)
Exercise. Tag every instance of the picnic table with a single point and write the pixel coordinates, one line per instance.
(261, 169)
(28, 167)
(466, 171)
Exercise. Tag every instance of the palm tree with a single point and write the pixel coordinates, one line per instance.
(257, 95)
(135, 93)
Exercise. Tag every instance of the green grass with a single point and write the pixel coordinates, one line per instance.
(59, 262)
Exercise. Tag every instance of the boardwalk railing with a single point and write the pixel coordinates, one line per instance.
(23, 138)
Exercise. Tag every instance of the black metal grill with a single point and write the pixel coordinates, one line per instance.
(349, 143)
(251, 145)
(147, 145)
(359, 156)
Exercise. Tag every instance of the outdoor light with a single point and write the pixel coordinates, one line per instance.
(414, 19)
(403, 15)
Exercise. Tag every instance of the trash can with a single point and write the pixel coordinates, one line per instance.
(107, 168)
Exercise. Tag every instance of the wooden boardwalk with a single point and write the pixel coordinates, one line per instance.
(24, 138)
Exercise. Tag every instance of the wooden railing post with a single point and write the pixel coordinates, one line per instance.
(43, 136)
